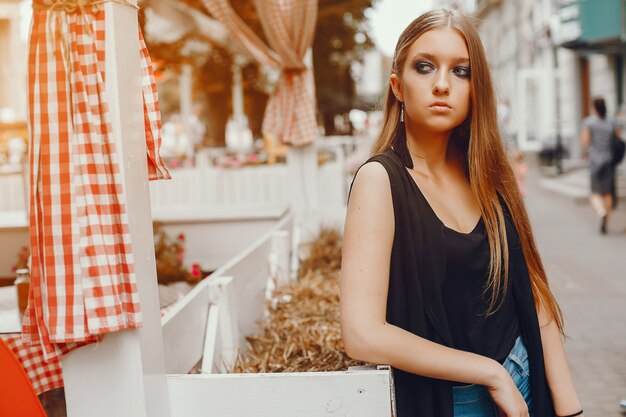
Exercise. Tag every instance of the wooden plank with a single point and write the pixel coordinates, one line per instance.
(222, 213)
(211, 340)
(184, 329)
(281, 249)
(220, 235)
(251, 271)
(225, 342)
(305, 394)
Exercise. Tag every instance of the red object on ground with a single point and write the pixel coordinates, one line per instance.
(17, 395)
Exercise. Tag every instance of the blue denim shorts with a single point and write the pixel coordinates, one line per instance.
(475, 401)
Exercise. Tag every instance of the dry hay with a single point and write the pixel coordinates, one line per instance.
(302, 330)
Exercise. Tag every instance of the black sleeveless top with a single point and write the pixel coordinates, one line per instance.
(415, 302)
(465, 301)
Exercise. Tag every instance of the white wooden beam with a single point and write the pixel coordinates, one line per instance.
(222, 344)
(124, 375)
(359, 393)
(184, 330)
(211, 340)
(280, 256)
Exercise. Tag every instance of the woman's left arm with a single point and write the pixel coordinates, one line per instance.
(558, 374)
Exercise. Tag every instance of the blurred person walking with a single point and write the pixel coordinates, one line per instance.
(441, 277)
(597, 136)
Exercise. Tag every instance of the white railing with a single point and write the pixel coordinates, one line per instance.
(236, 293)
(208, 326)
(254, 185)
(207, 186)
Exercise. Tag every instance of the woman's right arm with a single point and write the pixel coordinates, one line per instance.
(585, 138)
(367, 243)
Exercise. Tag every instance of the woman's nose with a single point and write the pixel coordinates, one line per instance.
(441, 86)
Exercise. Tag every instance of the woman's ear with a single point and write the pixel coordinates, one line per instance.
(394, 81)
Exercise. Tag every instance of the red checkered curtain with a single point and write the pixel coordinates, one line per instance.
(289, 26)
(83, 282)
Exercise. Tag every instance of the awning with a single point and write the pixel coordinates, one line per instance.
(590, 26)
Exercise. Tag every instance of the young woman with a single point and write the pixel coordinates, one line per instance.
(597, 136)
(441, 278)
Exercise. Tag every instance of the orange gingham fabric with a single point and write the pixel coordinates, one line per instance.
(152, 116)
(289, 26)
(82, 273)
(44, 376)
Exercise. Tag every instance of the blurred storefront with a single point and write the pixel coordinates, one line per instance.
(594, 31)
(549, 58)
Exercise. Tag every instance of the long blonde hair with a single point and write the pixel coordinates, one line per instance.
(490, 175)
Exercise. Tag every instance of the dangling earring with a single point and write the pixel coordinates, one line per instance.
(399, 141)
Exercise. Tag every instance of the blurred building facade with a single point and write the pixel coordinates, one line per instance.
(12, 62)
(371, 74)
(549, 58)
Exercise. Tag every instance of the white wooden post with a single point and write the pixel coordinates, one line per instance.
(303, 189)
(303, 178)
(239, 114)
(279, 258)
(124, 375)
(238, 134)
(222, 326)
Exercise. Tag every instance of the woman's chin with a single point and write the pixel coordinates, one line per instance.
(442, 127)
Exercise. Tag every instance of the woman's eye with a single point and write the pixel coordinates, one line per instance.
(424, 67)
(462, 72)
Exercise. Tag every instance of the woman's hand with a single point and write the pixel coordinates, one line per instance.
(507, 397)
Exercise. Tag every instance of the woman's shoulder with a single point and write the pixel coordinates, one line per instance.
(388, 159)
(382, 165)
(376, 174)
(589, 120)
(594, 121)
(373, 170)
(371, 190)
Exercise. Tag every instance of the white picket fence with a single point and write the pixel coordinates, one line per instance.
(209, 187)
(252, 185)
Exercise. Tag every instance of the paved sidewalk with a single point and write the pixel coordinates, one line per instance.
(575, 182)
(587, 272)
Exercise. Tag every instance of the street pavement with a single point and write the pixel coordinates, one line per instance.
(587, 272)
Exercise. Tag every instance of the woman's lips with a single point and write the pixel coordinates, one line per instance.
(440, 108)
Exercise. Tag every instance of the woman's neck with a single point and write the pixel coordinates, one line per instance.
(429, 150)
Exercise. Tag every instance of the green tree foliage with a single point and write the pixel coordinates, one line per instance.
(341, 38)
